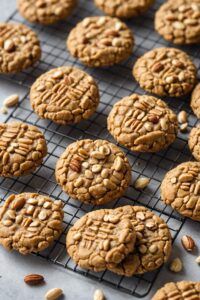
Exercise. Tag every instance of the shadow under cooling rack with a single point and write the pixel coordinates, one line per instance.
(114, 83)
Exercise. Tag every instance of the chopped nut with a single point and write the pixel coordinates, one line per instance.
(40, 88)
(68, 80)
(188, 243)
(148, 126)
(141, 183)
(86, 22)
(183, 127)
(11, 101)
(164, 124)
(140, 216)
(57, 74)
(58, 11)
(182, 117)
(153, 249)
(186, 177)
(53, 294)
(101, 21)
(143, 249)
(157, 67)
(75, 165)
(3, 110)
(118, 26)
(151, 225)
(173, 180)
(77, 236)
(112, 33)
(99, 295)
(118, 163)
(153, 118)
(170, 79)
(33, 279)
(177, 63)
(178, 25)
(181, 76)
(176, 265)
(116, 42)
(9, 45)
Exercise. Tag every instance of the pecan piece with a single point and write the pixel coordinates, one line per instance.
(75, 165)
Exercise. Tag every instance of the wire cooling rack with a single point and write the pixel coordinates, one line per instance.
(114, 83)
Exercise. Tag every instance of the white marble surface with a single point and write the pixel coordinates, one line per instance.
(13, 267)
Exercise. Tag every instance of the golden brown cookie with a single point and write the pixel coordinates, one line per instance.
(124, 8)
(181, 189)
(194, 142)
(165, 72)
(184, 290)
(45, 11)
(22, 149)
(179, 21)
(99, 238)
(153, 242)
(195, 100)
(30, 222)
(100, 41)
(143, 123)
(93, 171)
(65, 95)
(19, 48)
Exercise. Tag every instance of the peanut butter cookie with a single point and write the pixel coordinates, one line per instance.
(100, 41)
(22, 149)
(124, 8)
(143, 123)
(181, 189)
(165, 72)
(19, 48)
(65, 95)
(179, 21)
(153, 242)
(45, 11)
(99, 238)
(30, 222)
(194, 142)
(185, 290)
(195, 100)
(94, 172)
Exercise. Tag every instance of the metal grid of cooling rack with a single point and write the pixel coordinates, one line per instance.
(114, 83)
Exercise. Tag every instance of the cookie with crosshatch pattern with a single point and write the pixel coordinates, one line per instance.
(124, 8)
(22, 148)
(45, 11)
(65, 95)
(99, 238)
(143, 123)
(179, 21)
(30, 222)
(185, 290)
(19, 48)
(153, 242)
(93, 171)
(100, 41)
(165, 72)
(181, 189)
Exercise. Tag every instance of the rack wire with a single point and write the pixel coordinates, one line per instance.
(114, 83)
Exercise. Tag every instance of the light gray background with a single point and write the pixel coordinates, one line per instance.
(13, 267)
